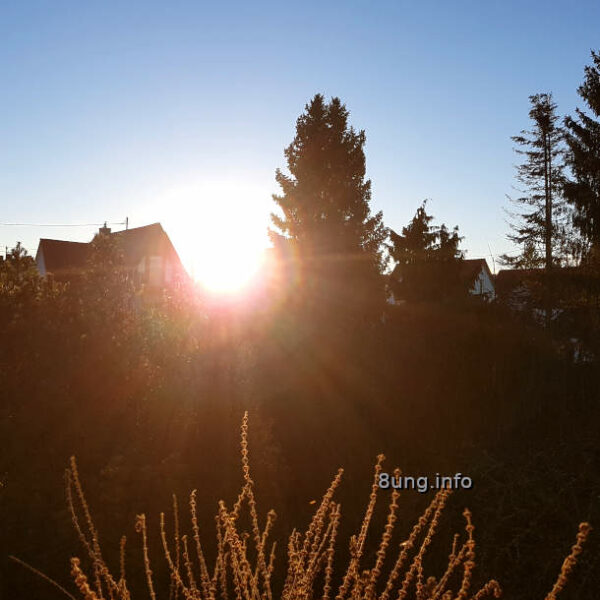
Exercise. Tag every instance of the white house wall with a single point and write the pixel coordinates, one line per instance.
(41, 263)
(483, 285)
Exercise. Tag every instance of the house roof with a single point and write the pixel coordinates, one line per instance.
(509, 280)
(471, 267)
(150, 240)
(143, 241)
(60, 255)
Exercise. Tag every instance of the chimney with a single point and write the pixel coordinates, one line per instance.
(104, 230)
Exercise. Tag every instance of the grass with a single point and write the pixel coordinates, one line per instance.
(246, 558)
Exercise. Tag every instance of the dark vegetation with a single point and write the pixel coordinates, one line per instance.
(149, 395)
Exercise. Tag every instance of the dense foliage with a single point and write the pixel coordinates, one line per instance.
(150, 400)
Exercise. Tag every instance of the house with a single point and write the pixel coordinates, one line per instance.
(148, 256)
(476, 274)
(439, 279)
(65, 260)
(567, 299)
(564, 287)
(569, 296)
(526, 289)
(516, 287)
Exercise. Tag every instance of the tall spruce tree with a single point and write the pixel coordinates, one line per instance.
(542, 223)
(324, 203)
(582, 190)
(427, 259)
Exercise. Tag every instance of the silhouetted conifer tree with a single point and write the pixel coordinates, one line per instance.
(427, 259)
(583, 158)
(543, 222)
(324, 203)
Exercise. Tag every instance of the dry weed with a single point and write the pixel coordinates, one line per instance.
(245, 560)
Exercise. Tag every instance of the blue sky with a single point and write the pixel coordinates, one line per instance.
(179, 112)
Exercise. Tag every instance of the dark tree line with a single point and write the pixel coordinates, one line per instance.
(558, 223)
(325, 211)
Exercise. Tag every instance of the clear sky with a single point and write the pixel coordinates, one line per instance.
(179, 112)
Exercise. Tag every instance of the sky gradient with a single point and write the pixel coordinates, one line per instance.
(179, 112)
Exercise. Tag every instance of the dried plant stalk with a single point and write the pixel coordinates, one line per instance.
(243, 569)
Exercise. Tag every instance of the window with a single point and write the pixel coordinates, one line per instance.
(155, 271)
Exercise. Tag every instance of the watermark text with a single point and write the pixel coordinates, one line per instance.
(423, 483)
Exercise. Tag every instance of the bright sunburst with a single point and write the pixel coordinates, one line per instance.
(220, 232)
(228, 270)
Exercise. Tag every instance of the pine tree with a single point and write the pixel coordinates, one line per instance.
(583, 158)
(543, 222)
(326, 215)
(427, 259)
(416, 244)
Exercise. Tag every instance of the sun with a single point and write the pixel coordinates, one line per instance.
(220, 231)
(229, 268)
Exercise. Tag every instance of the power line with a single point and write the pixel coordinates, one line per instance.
(60, 224)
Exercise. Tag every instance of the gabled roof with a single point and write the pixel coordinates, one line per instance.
(143, 241)
(70, 257)
(471, 267)
(60, 255)
(509, 280)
